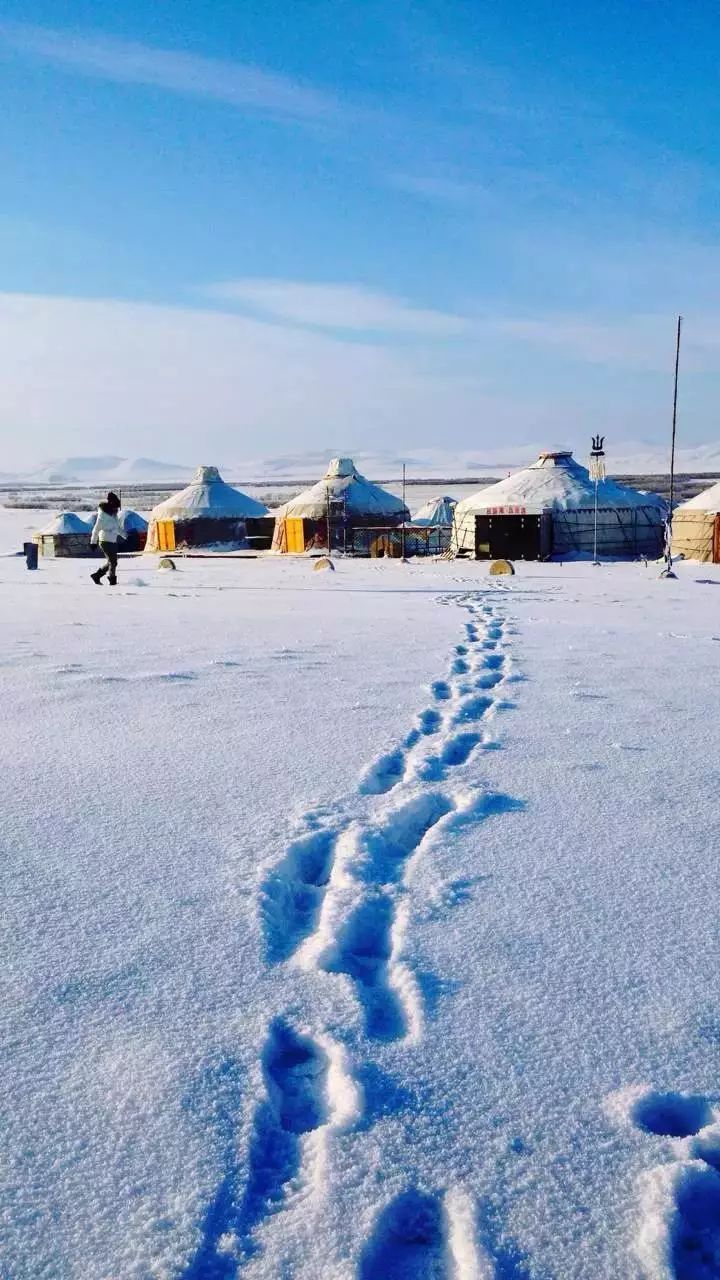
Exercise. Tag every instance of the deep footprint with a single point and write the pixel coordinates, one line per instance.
(363, 953)
(474, 709)
(383, 774)
(674, 1115)
(292, 895)
(429, 721)
(489, 680)
(695, 1230)
(408, 1242)
(457, 750)
(441, 690)
(386, 847)
(493, 661)
(295, 1074)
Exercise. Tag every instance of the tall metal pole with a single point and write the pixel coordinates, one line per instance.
(668, 545)
(327, 518)
(402, 527)
(597, 471)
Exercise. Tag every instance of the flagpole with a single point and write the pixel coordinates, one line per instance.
(402, 530)
(597, 471)
(668, 571)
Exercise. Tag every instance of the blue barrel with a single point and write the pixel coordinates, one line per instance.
(31, 554)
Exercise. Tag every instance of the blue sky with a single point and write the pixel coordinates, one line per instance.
(238, 228)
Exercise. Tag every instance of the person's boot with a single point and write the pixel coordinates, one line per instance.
(112, 580)
(96, 578)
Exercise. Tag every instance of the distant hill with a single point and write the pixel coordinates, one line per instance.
(108, 469)
(636, 458)
(623, 458)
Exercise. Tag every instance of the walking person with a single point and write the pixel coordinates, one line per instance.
(106, 532)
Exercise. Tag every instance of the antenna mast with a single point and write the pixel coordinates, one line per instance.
(668, 570)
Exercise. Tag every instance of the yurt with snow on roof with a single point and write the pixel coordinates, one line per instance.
(696, 527)
(136, 531)
(547, 511)
(437, 511)
(67, 534)
(357, 512)
(209, 513)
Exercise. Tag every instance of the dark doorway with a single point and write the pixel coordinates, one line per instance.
(507, 538)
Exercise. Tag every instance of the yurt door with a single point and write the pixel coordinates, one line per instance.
(501, 537)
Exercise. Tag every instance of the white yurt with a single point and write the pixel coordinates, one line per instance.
(208, 513)
(696, 527)
(437, 511)
(67, 534)
(353, 505)
(548, 510)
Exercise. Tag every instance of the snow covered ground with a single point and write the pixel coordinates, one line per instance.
(359, 924)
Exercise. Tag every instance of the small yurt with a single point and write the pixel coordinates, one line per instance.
(359, 514)
(67, 534)
(136, 531)
(438, 511)
(696, 527)
(548, 509)
(208, 513)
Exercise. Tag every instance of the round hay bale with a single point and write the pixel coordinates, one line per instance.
(501, 566)
(324, 562)
(166, 563)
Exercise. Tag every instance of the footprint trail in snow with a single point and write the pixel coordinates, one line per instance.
(338, 905)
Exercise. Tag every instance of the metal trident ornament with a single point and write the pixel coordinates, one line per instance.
(597, 459)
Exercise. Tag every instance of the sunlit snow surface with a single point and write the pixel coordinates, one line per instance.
(359, 924)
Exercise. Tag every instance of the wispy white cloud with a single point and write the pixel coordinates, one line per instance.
(349, 307)
(180, 382)
(125, 62)
(167, 380)
(628, 342)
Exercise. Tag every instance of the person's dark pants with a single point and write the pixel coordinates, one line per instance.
(109, 550)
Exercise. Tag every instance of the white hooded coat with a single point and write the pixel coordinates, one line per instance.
(107, 528)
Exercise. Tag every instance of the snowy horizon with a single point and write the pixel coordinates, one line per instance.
(636, 458)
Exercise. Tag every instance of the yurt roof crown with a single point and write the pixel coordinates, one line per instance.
(208, 496)
(555, 482)
(343, 482)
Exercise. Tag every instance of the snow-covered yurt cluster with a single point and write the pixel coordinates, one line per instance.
(209, 513)
(542, 511)
(548, 509)
(696, 527)
(69, 534)
(343, 500)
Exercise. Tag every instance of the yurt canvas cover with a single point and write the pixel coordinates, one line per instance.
(135, 527)
(207, 513)
(547, 510)
(67, 534)
(347, 498)
(436, 511)
(696, 527)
